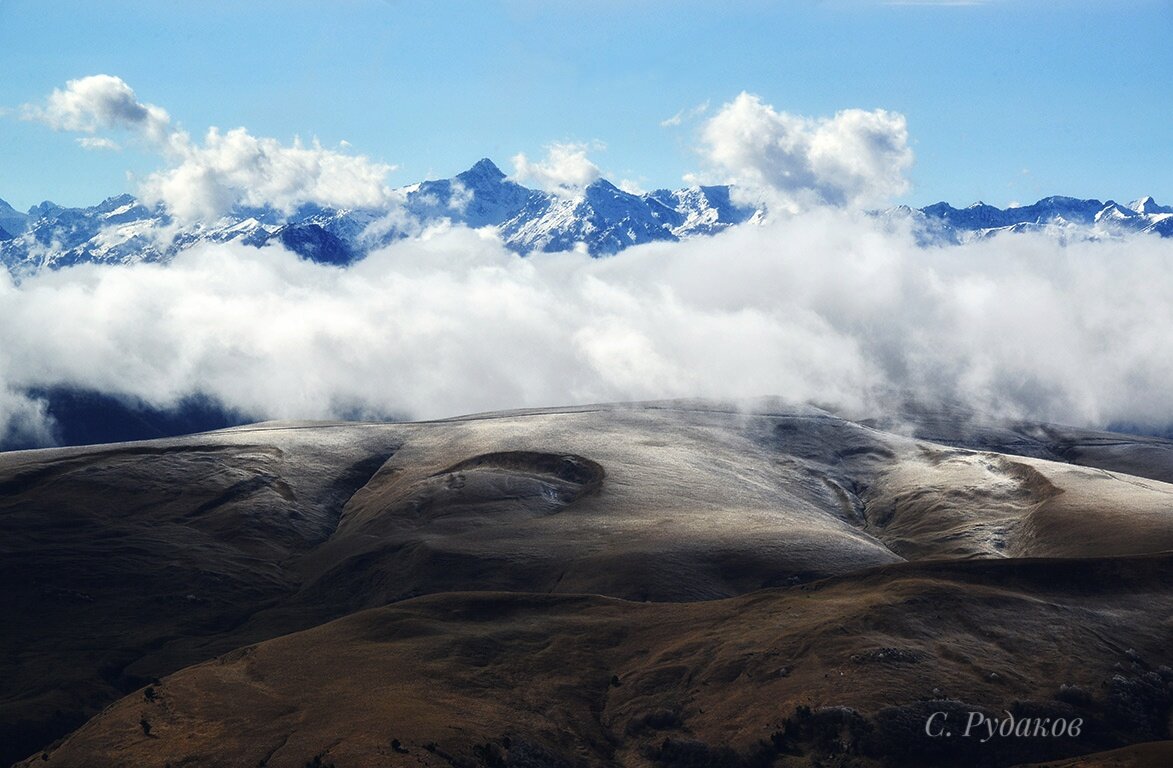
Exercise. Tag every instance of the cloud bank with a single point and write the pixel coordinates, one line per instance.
(855, 159)
(828, 307)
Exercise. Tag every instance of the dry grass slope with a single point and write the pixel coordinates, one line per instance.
(657, 584)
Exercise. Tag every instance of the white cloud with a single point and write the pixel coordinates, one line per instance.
(24, 421)
(856, 158)
(100, 102)
(631, 187)
(685, 115)
(565, 169)
(205, 180)
(96, 142)
(460, 198)
(826, 307)
(237, 168)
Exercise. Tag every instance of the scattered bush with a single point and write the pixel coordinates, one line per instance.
(1140, 704)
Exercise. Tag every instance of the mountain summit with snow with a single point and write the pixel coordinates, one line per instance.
(1148, 206)
(600, 218)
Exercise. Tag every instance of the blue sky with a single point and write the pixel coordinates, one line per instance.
(1006, 100)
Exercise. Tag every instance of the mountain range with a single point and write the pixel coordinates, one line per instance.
(606, 219)
(601, 217)
(1065, 217)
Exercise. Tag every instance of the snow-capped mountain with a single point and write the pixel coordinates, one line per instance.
(601, 218)
(1068, 218)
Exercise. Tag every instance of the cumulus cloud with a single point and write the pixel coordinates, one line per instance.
(236, 168)
(856, 158)
(828, 307)
(100, 102)
(565, 169)
(204, 180)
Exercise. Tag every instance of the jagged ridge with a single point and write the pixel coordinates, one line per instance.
(602, 217)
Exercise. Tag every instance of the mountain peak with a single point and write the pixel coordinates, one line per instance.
(115, 202)
(12, 221)
(601, 184)
(43, 209)
(1148, 205)
(483, 169)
